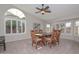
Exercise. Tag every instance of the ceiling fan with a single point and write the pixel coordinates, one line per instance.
(43, 10)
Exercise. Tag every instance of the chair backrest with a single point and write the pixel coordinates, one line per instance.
(33, 34)
(56, 34)
(53, 35)
(2, 39)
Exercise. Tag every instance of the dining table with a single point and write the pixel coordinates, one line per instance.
(43, 34)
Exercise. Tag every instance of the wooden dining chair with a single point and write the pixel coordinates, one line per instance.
(51, 39)
(35, 40)
(55, 35)
(58, 36)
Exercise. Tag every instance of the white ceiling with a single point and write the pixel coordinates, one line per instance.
(59, 11)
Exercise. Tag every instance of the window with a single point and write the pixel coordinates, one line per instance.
(76, 28)
(16, 22)
(8, 26)
(13, 26)
(16, 26)
(68, 24)
(57, 26)
(77, 23)
(16, 12)
(68, 27)
(48, 28)
(48, 25)
(36, 26)
(19, 26)
(62, 26)
(23, 26)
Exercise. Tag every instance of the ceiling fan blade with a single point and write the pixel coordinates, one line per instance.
(38, 12)
(46, 7)
(38, 8)
(48, 11)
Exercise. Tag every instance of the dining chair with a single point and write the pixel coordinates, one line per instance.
(55, 35)
(58, 35)
(35, 39)
(53, 38)
(2, 42)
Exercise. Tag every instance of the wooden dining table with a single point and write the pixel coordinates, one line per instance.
(43, 36)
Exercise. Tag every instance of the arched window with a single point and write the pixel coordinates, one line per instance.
(14, 21)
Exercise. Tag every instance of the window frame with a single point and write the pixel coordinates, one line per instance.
(76, 26)
(11, 33)
(48, 28)
(67, 28)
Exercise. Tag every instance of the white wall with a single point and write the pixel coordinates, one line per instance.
(29, 24)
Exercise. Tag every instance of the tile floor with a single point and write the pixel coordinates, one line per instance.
(24, 47)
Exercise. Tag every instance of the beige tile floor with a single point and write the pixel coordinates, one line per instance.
(24, 47)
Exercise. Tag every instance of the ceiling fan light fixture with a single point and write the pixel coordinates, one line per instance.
(42, 12)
